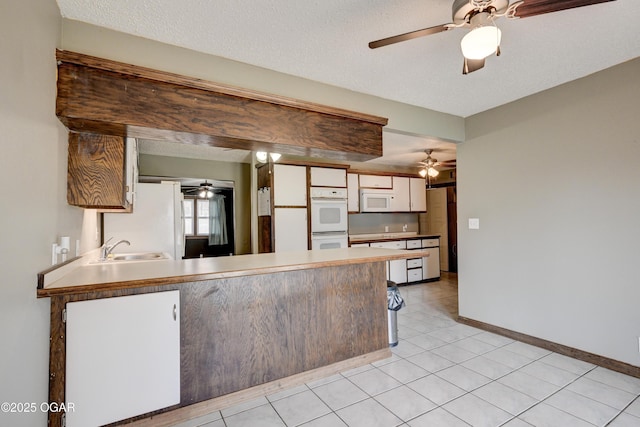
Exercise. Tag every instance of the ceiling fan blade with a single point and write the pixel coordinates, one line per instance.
(408, 36)
(539, 7)
(471, 65)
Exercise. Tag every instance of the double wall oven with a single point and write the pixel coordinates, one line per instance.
(329, 218)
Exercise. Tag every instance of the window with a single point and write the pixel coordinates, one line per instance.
(196, 217)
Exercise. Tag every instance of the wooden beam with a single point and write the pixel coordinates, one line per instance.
(107, 97)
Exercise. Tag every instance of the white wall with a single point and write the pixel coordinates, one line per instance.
(555, 181)
(34, 211)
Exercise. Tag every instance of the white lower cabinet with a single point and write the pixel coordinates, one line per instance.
(290, 225)
(397, 270)
(123, 357)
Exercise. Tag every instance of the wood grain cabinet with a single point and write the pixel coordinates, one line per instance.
(101, 171)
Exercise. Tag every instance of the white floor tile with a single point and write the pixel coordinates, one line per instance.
(329, 420)
(263, 416)
(368, 413)
(625, 420)
(323, 381)
(528, 385)
(549, 373)
(437, 418)
(602, 393)
(487, 367)
(567, 363)
(454, 353)
(582, 407)
(244, 406)
(475, 345)
(405, 403)
(543, 415)
(339, 394)
(634, 408)
(426, 341)
(217, 423)
(374, 382)
(505, 397)
(516, 422)
(431, 362)
(527, 350)
(509, 358)
(615, 379)
(208, 420)
(404, 371)
(300, 408)
(493, 339)
(477, 412)
(436, 389)
(406, 349)
(462, 377)
(286, 393)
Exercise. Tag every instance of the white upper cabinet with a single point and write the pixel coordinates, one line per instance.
(289, 185)
(353, 193)
(328, 177)
(400, 201)
(375, 181)
(418, 195)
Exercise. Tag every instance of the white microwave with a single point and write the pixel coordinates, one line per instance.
(372, 200)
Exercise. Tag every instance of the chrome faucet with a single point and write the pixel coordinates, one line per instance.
(106, 249)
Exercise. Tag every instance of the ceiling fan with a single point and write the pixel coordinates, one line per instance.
(204, 191)
(428, 165)
(479, 15)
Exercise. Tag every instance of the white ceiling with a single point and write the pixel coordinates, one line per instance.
(326, 41)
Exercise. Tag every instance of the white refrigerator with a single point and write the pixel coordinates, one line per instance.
(155, 225)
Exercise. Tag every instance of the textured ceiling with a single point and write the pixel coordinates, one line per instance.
(326, 41)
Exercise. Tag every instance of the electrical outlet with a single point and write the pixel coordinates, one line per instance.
(638, 344)
(474, 223)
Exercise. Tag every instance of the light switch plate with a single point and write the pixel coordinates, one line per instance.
(474, 223)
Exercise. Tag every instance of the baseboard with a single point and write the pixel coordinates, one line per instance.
(605, 362)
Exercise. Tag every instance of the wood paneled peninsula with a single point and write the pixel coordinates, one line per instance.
(249, 324)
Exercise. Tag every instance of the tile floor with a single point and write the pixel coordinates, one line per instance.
(447, 374)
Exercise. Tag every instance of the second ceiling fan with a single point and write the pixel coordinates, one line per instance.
(479, 15)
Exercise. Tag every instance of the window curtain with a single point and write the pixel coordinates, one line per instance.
(217, 221)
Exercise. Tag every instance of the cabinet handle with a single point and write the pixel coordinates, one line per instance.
(175, 312)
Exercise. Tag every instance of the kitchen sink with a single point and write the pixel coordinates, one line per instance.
(142, 256)
(137, 256)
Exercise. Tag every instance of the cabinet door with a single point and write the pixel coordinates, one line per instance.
(400, 200)
(353, 193)
(123, 357)
(431, 264)
(289, 185)
(328, 177)
(96, 171)
(398, 270)
(418, 195)
(291, 232)
(375, 181)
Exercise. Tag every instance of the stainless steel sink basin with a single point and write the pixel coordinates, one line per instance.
(143, 256)
(130, 257)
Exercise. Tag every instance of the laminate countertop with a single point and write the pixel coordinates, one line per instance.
(110, 275)
(385, 237)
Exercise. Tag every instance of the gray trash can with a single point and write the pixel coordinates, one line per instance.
(394, 303)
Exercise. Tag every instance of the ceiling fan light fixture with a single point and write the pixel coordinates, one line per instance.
(481, 42)
(422, 172)
(432, 172)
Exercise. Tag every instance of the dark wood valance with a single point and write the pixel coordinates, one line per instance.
(102, 96)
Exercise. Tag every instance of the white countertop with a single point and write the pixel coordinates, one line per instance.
(161, 272)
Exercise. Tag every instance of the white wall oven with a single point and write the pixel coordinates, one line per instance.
(329, 218)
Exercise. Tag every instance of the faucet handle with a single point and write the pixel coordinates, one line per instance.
(107, 241)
